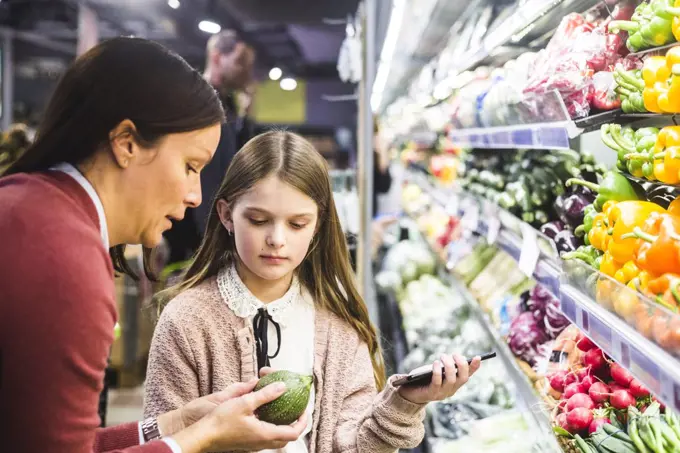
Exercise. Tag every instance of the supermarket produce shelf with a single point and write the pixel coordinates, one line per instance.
(658, 370)
(657, 367)
(534, 406)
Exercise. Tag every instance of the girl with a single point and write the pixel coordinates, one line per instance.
(271, 286)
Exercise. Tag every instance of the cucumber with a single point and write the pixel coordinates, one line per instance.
(288, 407)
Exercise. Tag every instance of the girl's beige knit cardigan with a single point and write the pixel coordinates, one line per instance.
(200, 346)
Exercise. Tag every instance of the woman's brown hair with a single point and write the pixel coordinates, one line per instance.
(122, 78)
(326, 271)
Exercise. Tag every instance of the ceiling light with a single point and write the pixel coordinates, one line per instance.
(288, 84)
(209, 26)
(174, 4)
(275, 73)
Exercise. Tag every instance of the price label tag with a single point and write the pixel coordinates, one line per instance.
(528, 258)
(493, 224)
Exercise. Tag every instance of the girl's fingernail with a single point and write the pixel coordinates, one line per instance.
(279, 386)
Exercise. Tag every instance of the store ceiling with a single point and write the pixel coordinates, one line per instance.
(303, 37)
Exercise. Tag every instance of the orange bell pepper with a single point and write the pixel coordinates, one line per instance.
(665, 290)
(674, 207)
(658, 244)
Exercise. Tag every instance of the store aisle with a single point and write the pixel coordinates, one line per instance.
(125, 405)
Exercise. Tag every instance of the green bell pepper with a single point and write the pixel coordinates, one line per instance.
(645, 138)
(589, 214)
(620, 140)
(585, 253)
(614, 186)
(657, 32)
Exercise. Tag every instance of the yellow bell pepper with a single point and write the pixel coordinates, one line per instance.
(641, 281)
(609, 266)
(627, 272)
(667, 155)
(625, 304)
(669, 101)
(655, 82)
(675, 26)
(598, 235)
(622, 219)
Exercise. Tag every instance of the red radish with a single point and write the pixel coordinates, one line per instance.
(596, 423)
(580, 419)
(586, 383)
(638, 390)
(613, 386)
(557, 380)
(562, 405)
(580, 400)
(620, 375)
(621, 399)
(599, 392)
(561, 421)
(569, 378)
(594, 359)
(584, 343)
(571, 390)
(582, 373)
(603, 374)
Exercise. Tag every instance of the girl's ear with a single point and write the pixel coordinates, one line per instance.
(224, 211)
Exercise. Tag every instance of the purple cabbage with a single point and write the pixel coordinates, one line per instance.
(554, 320)
(526, 335)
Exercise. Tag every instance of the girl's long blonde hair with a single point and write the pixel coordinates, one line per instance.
(326, 270)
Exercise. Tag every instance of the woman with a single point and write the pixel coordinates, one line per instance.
(271, 286)
(117, 157)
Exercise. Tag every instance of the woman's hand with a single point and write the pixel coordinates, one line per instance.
(442, 388)
(175, 421)
(232, 425)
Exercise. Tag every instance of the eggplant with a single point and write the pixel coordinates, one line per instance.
(570, 207)
(566, 241)
(551, 229)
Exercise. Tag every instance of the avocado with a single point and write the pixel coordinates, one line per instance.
(287, 408)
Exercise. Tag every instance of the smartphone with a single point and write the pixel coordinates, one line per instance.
(423, 375)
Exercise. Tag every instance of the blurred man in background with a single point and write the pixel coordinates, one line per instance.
(229, 68)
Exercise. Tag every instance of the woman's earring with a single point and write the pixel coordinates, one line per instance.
(229, 232)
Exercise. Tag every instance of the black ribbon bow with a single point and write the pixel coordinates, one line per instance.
(260, 327)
